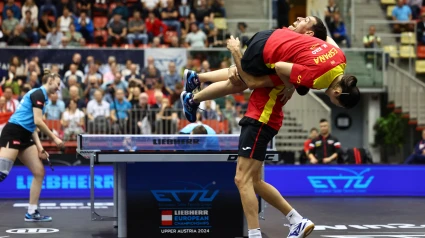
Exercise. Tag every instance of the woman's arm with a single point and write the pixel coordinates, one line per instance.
(37, 141)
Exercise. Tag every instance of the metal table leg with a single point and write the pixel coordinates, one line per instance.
(115, 193)
(122, 200)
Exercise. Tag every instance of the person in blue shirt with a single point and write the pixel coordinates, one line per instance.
(19, 138)
(197, 128)
(402, 12)
(418, 157)
(338, 30)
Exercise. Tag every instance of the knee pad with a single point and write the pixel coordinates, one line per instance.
(2, 176)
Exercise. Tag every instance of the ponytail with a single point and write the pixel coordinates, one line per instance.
(350, 94)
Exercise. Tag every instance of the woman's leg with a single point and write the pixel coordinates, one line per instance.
(218, 90)
(214, 76)
(7, 158)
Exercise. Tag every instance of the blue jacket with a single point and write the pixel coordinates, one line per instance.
(420, 146)
(340, 29)
(89, 26)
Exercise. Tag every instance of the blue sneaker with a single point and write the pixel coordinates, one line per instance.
(189, 106)
(301, 229)
(191, 80)
(37, 217)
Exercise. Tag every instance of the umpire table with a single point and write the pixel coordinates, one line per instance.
(171, 185)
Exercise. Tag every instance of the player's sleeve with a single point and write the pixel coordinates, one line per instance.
(312, 147)
(38, 99)
(301, 76)
(337, 145)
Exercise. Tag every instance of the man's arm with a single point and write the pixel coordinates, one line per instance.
(311, 153)
(336, 149)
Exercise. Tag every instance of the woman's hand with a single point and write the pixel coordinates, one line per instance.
(59, 143)
(42, 154)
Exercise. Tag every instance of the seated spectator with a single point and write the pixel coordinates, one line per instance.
(330, 10)
(54, 38)
(62, 4)
(217, 8)
(20, 67)
(402, 12)
(166, 119)
(84, 6)
(202, 11)
(110, 75)
(19, 38)
(208, 28)
(89, 61)
(133, 95)
(174, 42)
(196, 38)
(175, 96)
(111, 87)
(241, 33)
(339, 33)
(117, 30)
(170, 16)
(415, 7)
(156, 43)
(74, 71)
(47, 5)
(85, 26)
(137, 29)
(45, 26)
(126, 71)
(418, 156)
(151, 79)
(92, 87)
(29, 5)
(54, 108)
(371, 41)
(120, 109)
(314, 133)
(171, 78)
(121, 10)
(32, 66)
(98, 113)
(33, 80)
(76, 59)
(72, 37)
(74, 93)
(150, 6)
(65, 21)
(9, 24)
(154, 27)
(11, 103)
(30, 26)
(93, 72)
(9, 80)
(10, 5)
(421, 30)
(133, 73)
(143, 116)
(205, 66)
(184, 9)
(208, 113)
(72, 121)
(150, 61)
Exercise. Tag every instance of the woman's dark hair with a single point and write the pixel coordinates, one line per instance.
(319, 29)
(72, 100)
(350, 95)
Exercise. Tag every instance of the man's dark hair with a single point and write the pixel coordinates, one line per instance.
(319, 29)
(314, 129)
(350, 93)
(199, 130)
(323, 120)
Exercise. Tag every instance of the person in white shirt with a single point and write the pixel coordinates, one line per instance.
(30, 6)
(196, 38)
(97, 108)
(72, 121)
(11, 103)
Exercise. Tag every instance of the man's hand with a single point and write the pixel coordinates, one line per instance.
(327, 160)
(287, 94)
(233, 44)
(233, 76)
(313, 161)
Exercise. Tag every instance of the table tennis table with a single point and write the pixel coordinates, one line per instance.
(171, 185)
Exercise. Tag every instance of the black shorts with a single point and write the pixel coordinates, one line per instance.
(15, 137)
(252, 60)
(254, 139)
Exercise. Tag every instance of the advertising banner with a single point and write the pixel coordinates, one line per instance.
(164, 57)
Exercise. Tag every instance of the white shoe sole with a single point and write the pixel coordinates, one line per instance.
(31, 220)
(308, 230)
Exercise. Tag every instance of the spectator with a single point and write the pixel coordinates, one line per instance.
(75, 93)
(208, 113)
(217, 8)
(54, 107)
(325, 148)
(30, 26)
(229, 113)
(151, 79)
(10, 5)
(29, 5)
(116, 84)
(175, 96)
(92, 87)
(54, 38)
(330, 11)
(76, 59)
(89, 61)
(93, 72)
(205, 66)
(154, 27)
(73, 71)
(174, 42)
(202, 11)
(421, 30)
(62, 4)
(142, 115)
(85, 26)
(150, 61)
(241, 33)
(418, 156)
(415, 7)
(117, 30)
(9, 24)
(98, 112)
(72, 37)
(72, 121)
(170, 16)
(208, 28)
(45, 26)
(110, 75)
(166, 119)
(121, 10)
(47, 5)
(184, 9)
(150, 6)
(32, 66)
(120, 109)
(196, 38)
(171, 78)
(339, 32)
(33, 80)
(156, 42)
(20, 67)
(64, 21)
(371, 41)
(137, 29)
(11, 103)
(401, 12)
(84, 6)
(133, 95)
(314, 133)
(126, 71)
(18, 38)
(133, 73)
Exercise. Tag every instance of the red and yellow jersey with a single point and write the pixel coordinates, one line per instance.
(316, 63)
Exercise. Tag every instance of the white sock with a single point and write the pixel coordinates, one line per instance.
(32, 208)
(254, 233)
(294, 217)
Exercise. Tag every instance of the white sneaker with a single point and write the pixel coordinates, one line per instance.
(301, 229)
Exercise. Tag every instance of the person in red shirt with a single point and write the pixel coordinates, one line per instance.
(314, 133)
(154, 27)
